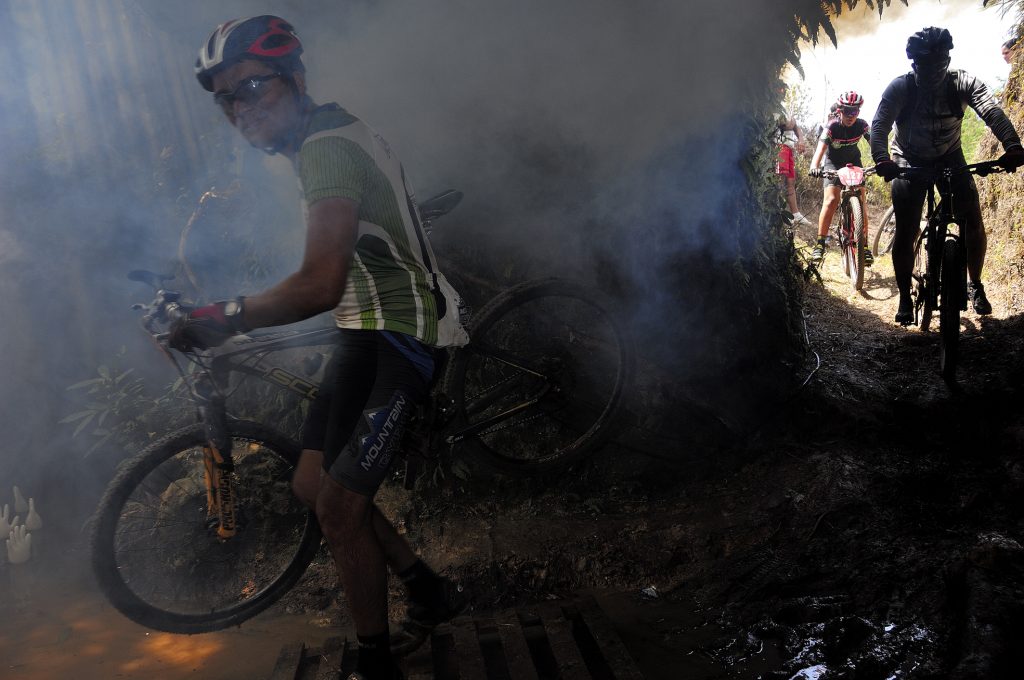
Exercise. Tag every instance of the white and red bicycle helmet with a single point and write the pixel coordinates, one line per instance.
(265, 38)
(850, 98)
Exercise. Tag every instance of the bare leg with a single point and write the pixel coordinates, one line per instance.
(347, 520)
(829, 203)
(977, 244)
(789, 184)
(397, 551)
(306, 480)
(306, 484)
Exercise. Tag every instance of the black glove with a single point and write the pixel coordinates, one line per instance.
(815, 172)
(887, 169)
(208, 326)
(1013, 158)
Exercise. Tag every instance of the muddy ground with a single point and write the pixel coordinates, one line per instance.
(868, 526)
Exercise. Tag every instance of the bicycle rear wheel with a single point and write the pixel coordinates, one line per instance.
(858, 243)
(159, 562)
(950, 304)
(543, 379)
(885, 234)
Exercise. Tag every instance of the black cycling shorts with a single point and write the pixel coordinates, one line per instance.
(371, 387)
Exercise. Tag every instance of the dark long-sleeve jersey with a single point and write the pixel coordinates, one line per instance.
(932, 129)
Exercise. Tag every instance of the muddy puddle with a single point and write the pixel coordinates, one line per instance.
(65, 630)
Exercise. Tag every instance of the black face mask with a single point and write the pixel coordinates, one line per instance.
(929, 75)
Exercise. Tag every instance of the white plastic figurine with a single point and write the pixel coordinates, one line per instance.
(19, 545)
(5, 524)
(20, 506)
(34, 522)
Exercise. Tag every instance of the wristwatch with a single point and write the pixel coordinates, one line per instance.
(234, 314)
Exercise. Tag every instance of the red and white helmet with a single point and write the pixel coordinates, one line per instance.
(850, 98)
(265, 38)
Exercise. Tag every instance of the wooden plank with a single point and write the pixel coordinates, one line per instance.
(329, 667)
(513, 643)
(467, 650)
(567, 655)
(288, 662)
(621, 662)
(349, 655)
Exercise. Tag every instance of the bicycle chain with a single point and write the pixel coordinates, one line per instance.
(503, 426)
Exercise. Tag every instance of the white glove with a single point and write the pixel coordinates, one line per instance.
(19, 545)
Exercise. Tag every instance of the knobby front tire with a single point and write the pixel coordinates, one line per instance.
(543, 379)
(859, 244)
(846, 239)
(923, 280)
(159, 561)
(950, 305)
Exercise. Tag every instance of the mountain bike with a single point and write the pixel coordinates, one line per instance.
(849, 226)
(940, 260)
(200, 530)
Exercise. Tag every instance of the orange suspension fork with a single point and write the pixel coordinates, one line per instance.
(220, 497)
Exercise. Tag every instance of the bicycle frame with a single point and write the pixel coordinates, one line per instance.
(938, 218)
(852, 180)
(208, 392)
(210, 388)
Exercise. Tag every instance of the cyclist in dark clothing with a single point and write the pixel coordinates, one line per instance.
(927, 106)
(837, 144)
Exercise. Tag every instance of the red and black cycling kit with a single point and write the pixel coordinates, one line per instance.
(841, 142)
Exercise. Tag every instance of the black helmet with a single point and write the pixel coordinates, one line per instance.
(929, 43)
(264, 38)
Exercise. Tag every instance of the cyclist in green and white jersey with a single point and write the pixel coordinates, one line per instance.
(367, 259)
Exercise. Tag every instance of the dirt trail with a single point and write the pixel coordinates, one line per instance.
(871, 527)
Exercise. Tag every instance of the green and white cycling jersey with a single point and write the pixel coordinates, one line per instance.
(393, 282)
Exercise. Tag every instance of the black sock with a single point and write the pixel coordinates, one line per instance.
(423, 584)
(374, 660)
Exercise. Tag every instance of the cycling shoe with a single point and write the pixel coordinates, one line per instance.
(818, 252)
(420, 621)
(905, 313)
(976, 292)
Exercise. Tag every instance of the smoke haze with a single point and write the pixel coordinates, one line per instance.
(593, 138)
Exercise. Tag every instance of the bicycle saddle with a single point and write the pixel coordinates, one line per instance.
(441, 204)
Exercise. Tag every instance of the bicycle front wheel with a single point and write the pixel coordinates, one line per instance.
(950, 304)
(858, 244)
(543, 379)
(158, 559)
(846, 239)
(923, 281)
(885, 234)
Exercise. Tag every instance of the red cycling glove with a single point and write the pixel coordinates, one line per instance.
(208, 326)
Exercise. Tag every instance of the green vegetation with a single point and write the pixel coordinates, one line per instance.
(973, 130)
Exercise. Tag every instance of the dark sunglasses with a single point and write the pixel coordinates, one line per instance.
(248, 91)
(850, 110)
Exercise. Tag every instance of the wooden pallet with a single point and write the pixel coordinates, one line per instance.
(567, 640)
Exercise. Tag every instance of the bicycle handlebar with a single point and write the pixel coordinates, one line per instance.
(834, 174)
(166, 308)
(981, 169)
